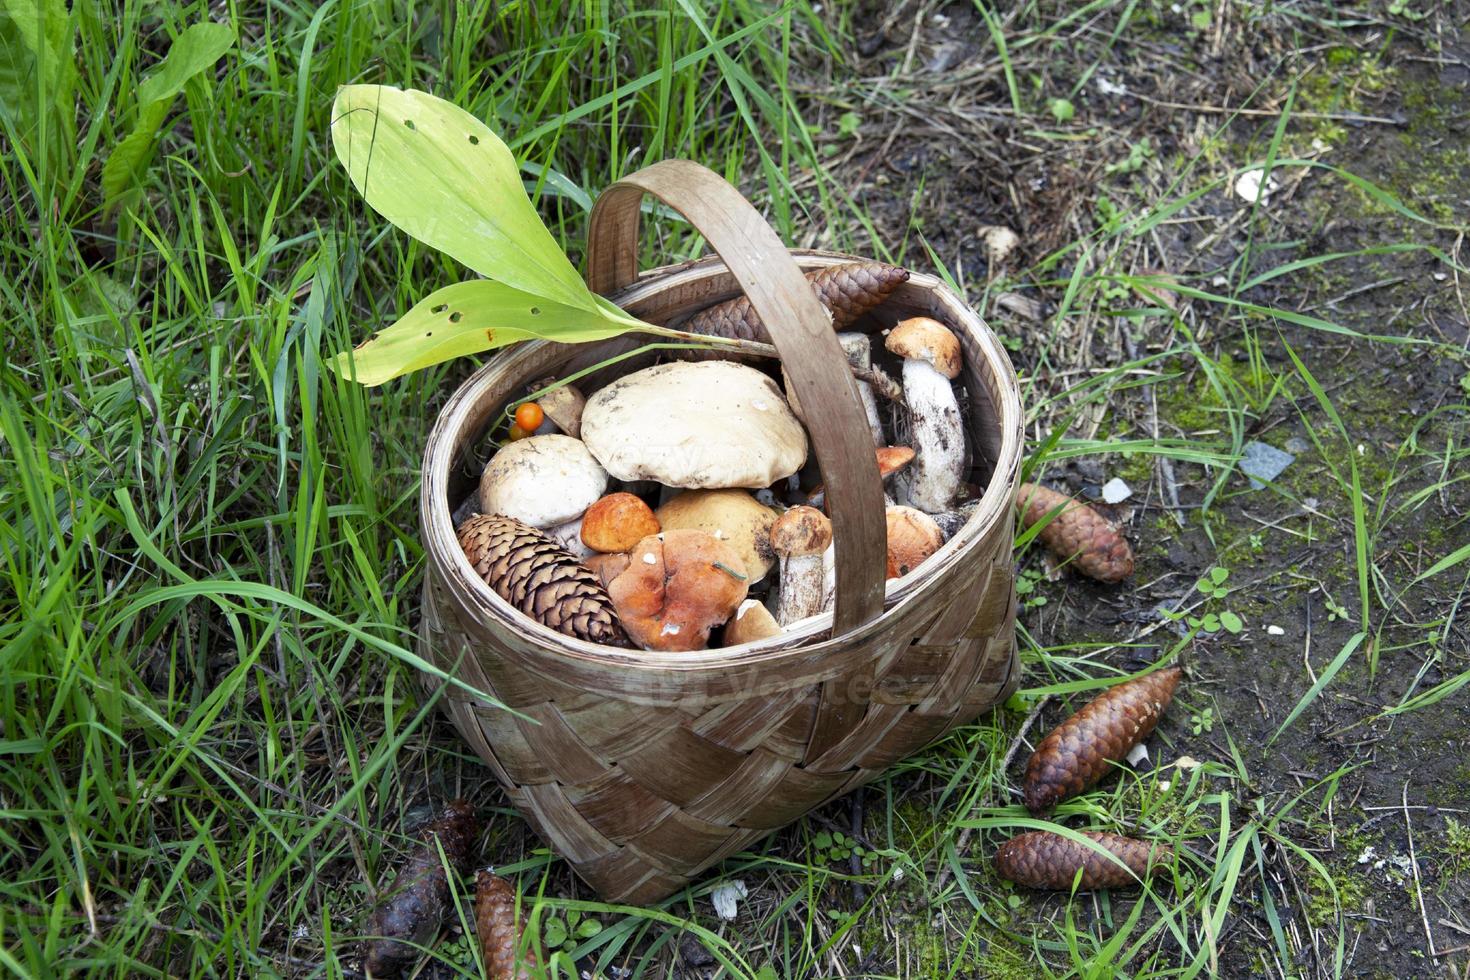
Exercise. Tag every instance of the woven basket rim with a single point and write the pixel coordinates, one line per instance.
(797, 640)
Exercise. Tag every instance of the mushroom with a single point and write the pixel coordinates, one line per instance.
(951, 521)
(542, 481)
(912, 537)
(859, 350)
(569, 536)
(799, 538)
(617, 522)
(563, 409)
(678, 586)
(695, 425)
(732, 516)
(931, 358)
(751, 622)
(607, 567)
(891, 460)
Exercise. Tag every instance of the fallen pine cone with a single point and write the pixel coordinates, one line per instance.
(499, 929)
(540, 578)
(1047, 860)
(848, 291)
(1079, 534)
(1078, 751)
(415, 909)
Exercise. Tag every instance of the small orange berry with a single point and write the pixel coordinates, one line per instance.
(516, 432)
(529, 416)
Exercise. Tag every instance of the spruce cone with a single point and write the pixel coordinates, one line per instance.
(1078, 751)
(533, 573)
(499, 928)
(847, 290)
(1078, 534)
(415, 908)
(1043, 859)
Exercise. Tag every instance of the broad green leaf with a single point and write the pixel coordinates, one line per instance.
(197, 48)
(35, 57)
(467, 318)
(193, 51)
(442, 176)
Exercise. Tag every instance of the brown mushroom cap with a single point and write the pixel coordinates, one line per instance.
(751, 622)
(679, 585)
(927, 340)
(607, 566)
(617, 522)
(732, 516)
(801, 531)
(564, 407)
(912, 537)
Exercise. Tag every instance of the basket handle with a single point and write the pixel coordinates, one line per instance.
(802, 332)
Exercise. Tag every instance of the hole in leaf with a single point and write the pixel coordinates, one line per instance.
(535, 311)
(439, 309)
(454, 317)
(474, 140)
(428, 333)
(409, 124)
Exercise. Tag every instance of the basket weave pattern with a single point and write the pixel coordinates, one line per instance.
(644, 769)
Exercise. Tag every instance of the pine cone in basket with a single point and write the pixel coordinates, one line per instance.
(1043, 859)
(541, 579)
(1078, 751)
(848, 290)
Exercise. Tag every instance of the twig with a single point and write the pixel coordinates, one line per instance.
(1241, 111)
(1005, 763)
(1414, 864)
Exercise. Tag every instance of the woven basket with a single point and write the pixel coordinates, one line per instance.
(643, 769)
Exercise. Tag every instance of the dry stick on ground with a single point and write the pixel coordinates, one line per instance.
(964, 839)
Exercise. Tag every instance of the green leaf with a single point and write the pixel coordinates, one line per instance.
(588, 928)
(35, 58)
(197, 48)
(554, 933)
(1231, 622)
(467, 318)
(1062, 110)
(193, 51)
(442, 176)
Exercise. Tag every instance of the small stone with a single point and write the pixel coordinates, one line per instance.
(1275, 631)
(1254, 187)
(1262, 463)
(1115, 491)
(1138, 755)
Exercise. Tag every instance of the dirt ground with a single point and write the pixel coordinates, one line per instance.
(1361, 814)
(1383, 822)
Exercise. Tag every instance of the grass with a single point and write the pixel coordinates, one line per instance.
(213, 739)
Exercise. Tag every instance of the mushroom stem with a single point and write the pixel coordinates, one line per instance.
(569, 536)
(859, 350)
(799, 538)
(938, 470)
(801, 588)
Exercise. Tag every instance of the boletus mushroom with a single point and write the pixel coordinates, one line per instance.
(800, 537)
(732, 516)
(678, 586)
(542, 481)
(931, 359)
(912, 537)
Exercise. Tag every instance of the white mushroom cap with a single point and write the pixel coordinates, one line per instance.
(695, 425)
(543, 481)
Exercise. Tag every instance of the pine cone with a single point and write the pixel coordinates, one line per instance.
(1078, 534)
(1079, 751)
(537, 576)
(499, 928)
(848, 290)
(1043, 859)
